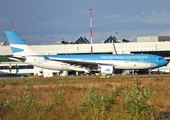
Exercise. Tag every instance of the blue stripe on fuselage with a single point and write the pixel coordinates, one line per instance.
(129, 57)
(14, 50)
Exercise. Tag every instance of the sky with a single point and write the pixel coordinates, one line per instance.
(57, 20)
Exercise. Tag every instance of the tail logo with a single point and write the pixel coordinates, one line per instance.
(15, 50)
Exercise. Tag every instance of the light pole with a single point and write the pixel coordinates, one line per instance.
(41, 38)
(117, 35)
(75, 37)
(51, 40)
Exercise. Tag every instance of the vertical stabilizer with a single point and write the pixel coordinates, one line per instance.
(18, 46)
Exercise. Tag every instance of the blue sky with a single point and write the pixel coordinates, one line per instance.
(61, 19)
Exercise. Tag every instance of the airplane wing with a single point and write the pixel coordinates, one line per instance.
(76, 61)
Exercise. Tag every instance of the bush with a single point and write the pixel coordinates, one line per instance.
(96, 105)
(136, 101)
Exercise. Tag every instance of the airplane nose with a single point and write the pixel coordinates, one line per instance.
(165, 62)
(162, 63)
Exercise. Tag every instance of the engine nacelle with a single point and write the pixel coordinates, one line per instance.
(107, 69)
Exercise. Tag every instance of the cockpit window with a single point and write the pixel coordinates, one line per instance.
(160, 58)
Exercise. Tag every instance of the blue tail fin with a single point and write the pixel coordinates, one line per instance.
(18, 46)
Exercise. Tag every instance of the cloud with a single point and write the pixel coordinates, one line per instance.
(154, 17)
(109, 16)
(165, 33)
(2, 20)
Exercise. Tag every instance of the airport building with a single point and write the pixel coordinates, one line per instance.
(159, 45)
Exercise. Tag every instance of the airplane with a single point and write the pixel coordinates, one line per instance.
(102, 63)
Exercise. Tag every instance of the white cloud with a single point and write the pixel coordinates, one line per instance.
(155, 17)
(2, 20)
(165, 33)
(109, 16)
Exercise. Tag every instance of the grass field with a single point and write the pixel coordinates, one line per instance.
(116, 97)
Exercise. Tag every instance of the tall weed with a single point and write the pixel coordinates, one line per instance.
(136, 101)
(96, 105)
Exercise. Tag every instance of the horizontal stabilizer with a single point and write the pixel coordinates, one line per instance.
(18, 58)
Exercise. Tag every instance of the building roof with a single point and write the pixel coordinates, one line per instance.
(82, 40)
(111, 39)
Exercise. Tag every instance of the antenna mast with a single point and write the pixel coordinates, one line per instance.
(91, 29)
(12, 25)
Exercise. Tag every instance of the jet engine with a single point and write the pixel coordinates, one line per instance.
(107, 69)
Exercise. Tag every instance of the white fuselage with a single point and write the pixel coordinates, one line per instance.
(55, 65)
